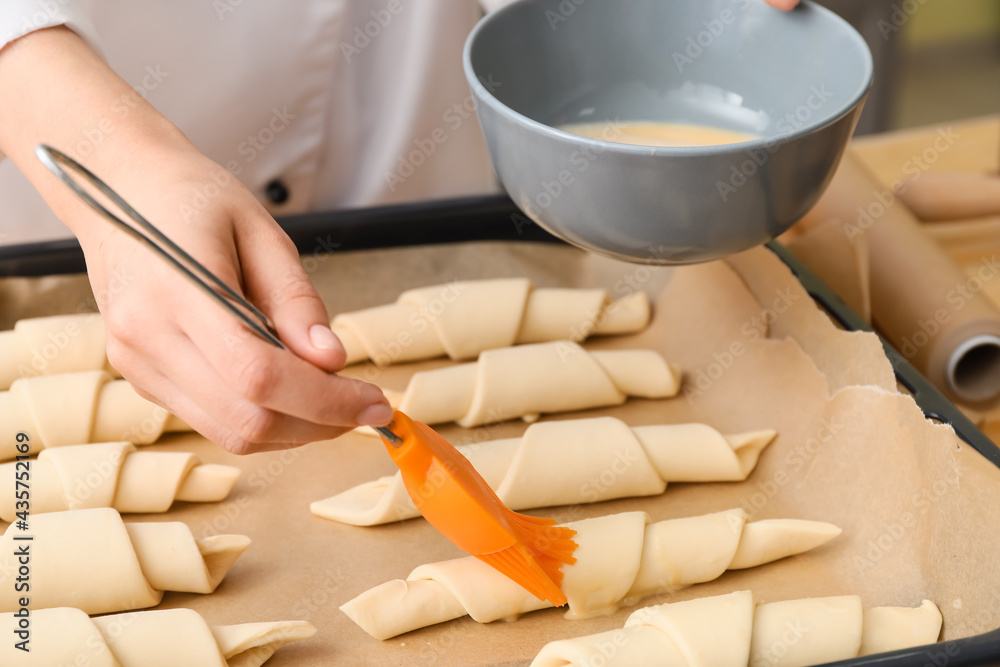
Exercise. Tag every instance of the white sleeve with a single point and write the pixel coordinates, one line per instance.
(19, 17)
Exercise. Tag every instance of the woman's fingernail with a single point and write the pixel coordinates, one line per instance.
(321, 337)
(378, 414)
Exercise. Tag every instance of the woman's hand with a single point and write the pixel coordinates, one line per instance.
(180, 349)
(172, 342)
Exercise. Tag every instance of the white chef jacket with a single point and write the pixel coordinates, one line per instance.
(342, 102)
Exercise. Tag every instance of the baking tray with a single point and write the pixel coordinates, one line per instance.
(496, 218)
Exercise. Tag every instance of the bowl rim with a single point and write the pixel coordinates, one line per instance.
(480, 92)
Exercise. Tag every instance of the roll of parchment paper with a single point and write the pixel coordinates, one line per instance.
(952, 196)
(931, 311)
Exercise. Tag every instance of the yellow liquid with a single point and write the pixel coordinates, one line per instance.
(658, 134)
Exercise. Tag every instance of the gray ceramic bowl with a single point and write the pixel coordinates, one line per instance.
(796, 79)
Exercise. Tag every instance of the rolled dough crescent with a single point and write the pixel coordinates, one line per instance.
(114, 474)
(53, 345)
(726, 631)
(528, 380)
(77, 408)
(67, 636)
(91, 560)
(620, 559)
(463, 318)
(598, 459)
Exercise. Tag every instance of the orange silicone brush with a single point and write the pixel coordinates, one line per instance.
(456, 500)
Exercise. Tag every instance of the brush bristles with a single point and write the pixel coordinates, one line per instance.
(536, 560)
(544, 537)
(517, 563)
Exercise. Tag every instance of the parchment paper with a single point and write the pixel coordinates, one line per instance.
(843, 259)
(918, 508)
(920, 300)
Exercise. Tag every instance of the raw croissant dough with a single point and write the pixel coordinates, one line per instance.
(175, 637)
(114, 474)
(77, 408)
(598, 459)
(463, 318)
(529, 380)
(53, 345)
(726, 631)
(91, 560)
(619, 560)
